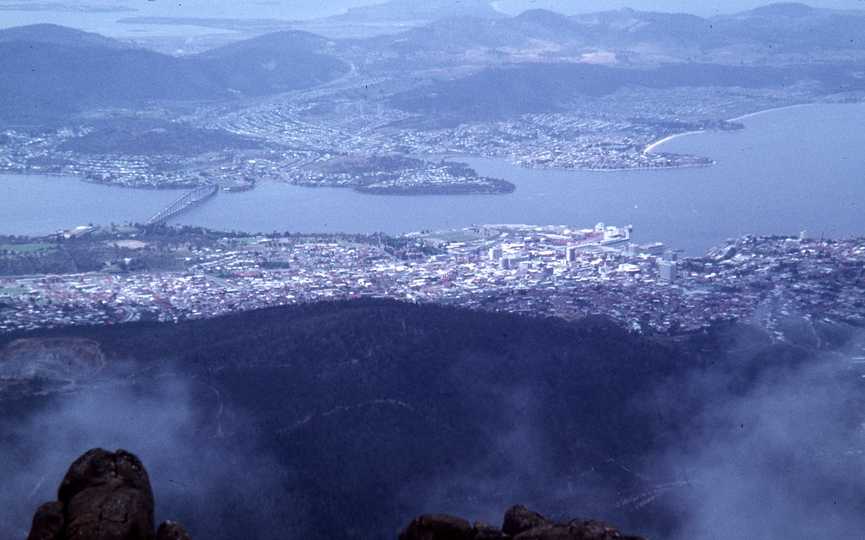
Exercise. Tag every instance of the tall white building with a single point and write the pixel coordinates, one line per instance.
(668, 270)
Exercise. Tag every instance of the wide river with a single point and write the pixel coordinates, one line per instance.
(792, 169)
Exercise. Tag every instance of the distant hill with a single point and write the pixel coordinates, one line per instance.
(796, 29)
(271, 64)
(419, 10)
(60, 35)
(147, 137)
(52, 72)
(499, 93)
(779, 34)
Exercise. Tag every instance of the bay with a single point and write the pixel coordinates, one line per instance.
(40, 204)
(792, 169)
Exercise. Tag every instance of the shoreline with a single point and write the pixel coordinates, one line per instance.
(652, 146)
(736, 119)
(84, 179)
(627, 169)
(585, 169)
(770, 110)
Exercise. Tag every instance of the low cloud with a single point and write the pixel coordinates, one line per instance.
(216, 486)
(781, 458)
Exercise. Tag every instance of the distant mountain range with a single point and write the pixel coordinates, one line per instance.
(51, 72)
(505, 92)
(780, 33)
(408, 11)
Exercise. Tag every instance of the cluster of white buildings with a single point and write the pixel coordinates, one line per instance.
(555, 271)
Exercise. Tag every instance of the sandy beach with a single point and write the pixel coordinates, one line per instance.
(670, 138)
(738, 118)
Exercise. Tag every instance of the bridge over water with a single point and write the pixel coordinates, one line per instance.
(185, 201)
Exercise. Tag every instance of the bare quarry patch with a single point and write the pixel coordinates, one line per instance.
(58, 359)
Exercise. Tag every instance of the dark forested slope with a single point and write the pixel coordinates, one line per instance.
(361, 415)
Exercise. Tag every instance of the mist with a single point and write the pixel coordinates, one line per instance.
(767, 445)
(177, 428)
(778, 456)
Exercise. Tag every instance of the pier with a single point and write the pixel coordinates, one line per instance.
(188, 199)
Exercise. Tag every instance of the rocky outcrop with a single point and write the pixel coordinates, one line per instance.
(520, 523)
(104, 496)
(437, 527)
(172, 531)
(485, 531)
(519, 519)
(48, 523)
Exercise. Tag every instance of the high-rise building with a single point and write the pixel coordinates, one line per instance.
(668, 270)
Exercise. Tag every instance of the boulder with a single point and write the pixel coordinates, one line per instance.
(104, 496)
(485, 531)
(48, 523)
(172, 531)
(578, 529)
(107, 497)
(520, 524)
(519, 519)
(597, 530)
(437, 527)
(98, 467)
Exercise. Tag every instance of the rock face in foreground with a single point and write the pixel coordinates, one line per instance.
(520, 523)
(104, 496)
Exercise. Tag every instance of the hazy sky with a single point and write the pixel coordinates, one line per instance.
(102, 15)
(295, 9)
(698, 7)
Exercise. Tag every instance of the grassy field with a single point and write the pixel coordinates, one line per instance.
(13, 290)
(28, 248)
(453, 236)
(242, 240)
(115, 230)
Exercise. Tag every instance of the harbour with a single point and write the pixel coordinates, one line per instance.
(767, 179)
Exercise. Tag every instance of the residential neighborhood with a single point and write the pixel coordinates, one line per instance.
(536, 270)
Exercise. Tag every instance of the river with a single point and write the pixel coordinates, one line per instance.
(792, 169)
